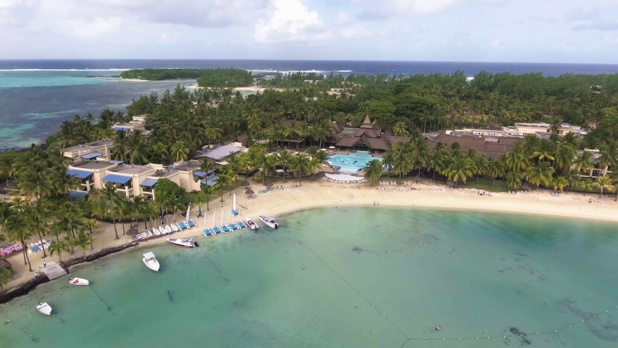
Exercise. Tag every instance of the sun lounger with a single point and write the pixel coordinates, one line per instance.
(191, 223)
(234, 212)
(207, 232)
(241, 225)
(225, 229)
(182, 225)
(216, 230)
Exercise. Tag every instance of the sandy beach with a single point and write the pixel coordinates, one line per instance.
(319, 193)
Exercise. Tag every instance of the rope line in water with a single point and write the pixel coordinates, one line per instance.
(216, 268)
(358, 293)
(100, 298)
(463, 338)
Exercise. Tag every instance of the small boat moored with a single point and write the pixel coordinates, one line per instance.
(44, 308)
(269, 221)
(150, 261)
(187, 243)
(79, 282)
(252, 225)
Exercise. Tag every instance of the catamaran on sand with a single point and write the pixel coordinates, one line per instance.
(150, 261)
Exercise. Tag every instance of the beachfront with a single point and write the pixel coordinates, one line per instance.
(318, 193)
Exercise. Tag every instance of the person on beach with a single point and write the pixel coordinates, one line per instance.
(44, 263)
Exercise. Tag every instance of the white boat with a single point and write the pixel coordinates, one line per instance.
(79, 282)
(150, 261)
(44, 308)
(149, 234)
(269, 221)
(187, 243)
(168, 229)
(174, 228)
(252, 225)
(156, 231)
(162, 229)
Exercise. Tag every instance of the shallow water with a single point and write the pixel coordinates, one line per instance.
(346, 277)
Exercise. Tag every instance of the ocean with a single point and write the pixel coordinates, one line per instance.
(36, 96)
(347, 277)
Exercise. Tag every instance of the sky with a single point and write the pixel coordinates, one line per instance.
(549, 31)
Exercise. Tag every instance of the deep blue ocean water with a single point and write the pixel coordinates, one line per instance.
(37, 95)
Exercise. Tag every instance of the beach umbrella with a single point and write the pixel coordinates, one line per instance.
(320, 175)
(417, 179)
(450, 183)
(249, 192)
(331, 147)
(245, 183)
(268, 184)
(132, 231)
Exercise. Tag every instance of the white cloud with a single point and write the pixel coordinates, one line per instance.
(497, 43)
(290, 21)
(397, 8)
(343, 18)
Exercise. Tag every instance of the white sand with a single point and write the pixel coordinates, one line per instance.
(318, 193)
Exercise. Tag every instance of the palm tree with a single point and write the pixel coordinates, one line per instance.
(140, 208)
(564, 157)
(283, 157)
(300, 164)
(495, 169)
(585, 162)
(373, 171)
(586, 185)
(516, 161)
(17, 227)
(82, 241)
(179, 151)
(38, 213)
(400, 129)
(221, 182)
(136, 147)
(559, 183)
(609, 155)
(120, 149)
(207, 190)
(91, 225)
(108, 202)
(513, 180)
(541, 173)
(460, 169)
(200, 198)
(5, 275)
(604, 184)
(57, 247)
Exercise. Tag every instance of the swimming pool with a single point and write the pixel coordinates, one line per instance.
(352, 162)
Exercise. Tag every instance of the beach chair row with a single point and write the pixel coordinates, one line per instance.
(388, 183)
(164, 230)
(224, 229)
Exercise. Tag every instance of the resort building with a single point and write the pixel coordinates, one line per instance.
(218, 154)
(89, 151)
(490, 146)
(137, 123)
(597, 171)
(135, 180)
(541, 129)
(367, 137)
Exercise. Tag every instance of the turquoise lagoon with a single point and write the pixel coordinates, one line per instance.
(345, 278)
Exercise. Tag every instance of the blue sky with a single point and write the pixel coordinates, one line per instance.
(569, 31)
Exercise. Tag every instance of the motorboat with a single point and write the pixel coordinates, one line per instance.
(252, 225)
(269, 221)
(150, 261)
(187, 243)
(79, 281)
(44, 308)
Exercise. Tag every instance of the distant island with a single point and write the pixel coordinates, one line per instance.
(229, 77)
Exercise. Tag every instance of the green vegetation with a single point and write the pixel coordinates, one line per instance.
(224, 78)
